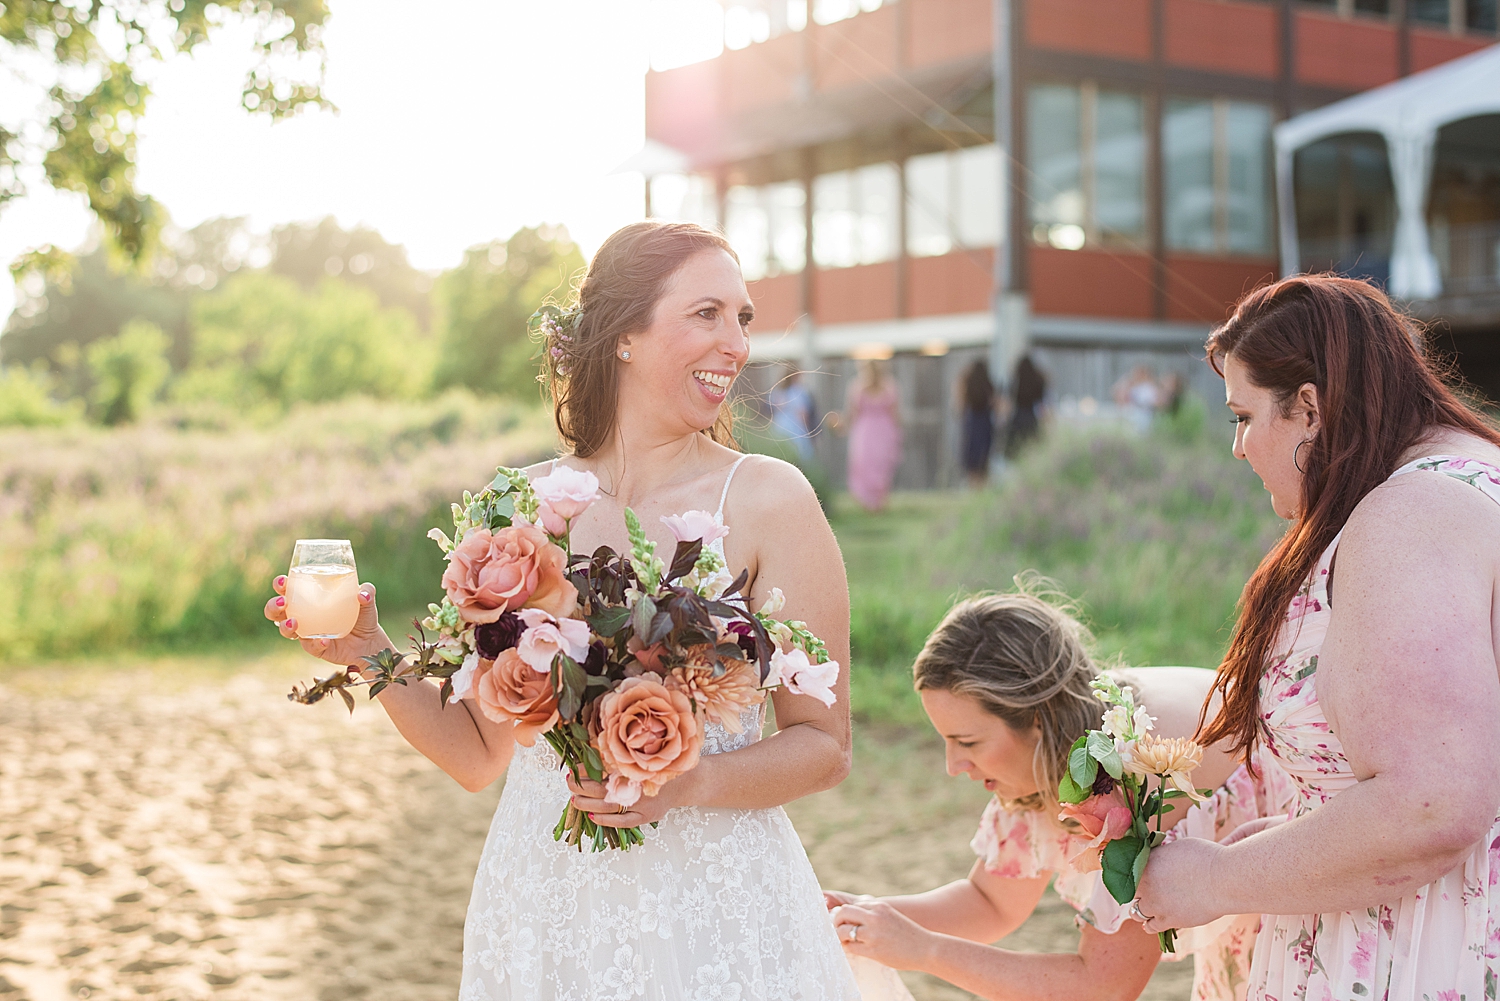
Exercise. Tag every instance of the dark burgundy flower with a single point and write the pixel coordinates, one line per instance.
(744, 636)
(1103, 784)
(494, 638)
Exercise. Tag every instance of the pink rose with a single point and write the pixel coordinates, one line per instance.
(1103, 819)
(563, 495)
(647, 736)
(510, 691)
(799, 674)
(546, 637)
(649, 657)
(489, 575)
(693, 526)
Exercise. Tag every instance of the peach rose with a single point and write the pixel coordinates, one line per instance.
(490, 574)
(508, 690)
(647, 737)
(1103, 819)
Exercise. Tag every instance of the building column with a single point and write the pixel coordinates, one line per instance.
(808, 304)
(1155, 164)
(1011, 304)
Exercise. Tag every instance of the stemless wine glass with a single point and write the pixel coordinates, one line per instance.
(322, 589)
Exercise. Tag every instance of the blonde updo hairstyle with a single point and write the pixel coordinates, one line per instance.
(1025, 659)
(618, 295)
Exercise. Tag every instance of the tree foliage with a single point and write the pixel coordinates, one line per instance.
(486, 301)
(261, 339)
(129, 371)
(93, 54)
(312, 253)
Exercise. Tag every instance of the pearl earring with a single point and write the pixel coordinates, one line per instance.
(625, 355)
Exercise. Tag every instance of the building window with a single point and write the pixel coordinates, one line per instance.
(1348, 8)
(1218, 176)
(765, 226)
(1087, 160)
(953, 200)
(854, 216)
(1455, 15)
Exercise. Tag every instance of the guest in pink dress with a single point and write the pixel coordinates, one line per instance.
(874, 418)
(1364, 663)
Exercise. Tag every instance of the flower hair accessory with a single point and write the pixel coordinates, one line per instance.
(556, 327)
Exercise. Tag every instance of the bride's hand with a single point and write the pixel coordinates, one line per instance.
(882, 933)
(838, 898)
(364, 639)
(588, 796)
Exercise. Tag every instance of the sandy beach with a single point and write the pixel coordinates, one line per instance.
(171, 830)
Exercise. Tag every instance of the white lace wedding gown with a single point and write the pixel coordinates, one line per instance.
(717, 905)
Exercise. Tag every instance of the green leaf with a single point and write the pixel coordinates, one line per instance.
(661, 625)
(1139, 866)
(1102, 749)
(641, 616)
(1119, 867)
(608, 621)
(574, 681)
(1069, 791)
(1082, 767)
(592, 764)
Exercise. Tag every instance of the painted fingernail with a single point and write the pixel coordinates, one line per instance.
(280, 602)
(365, 596)
(281, 581)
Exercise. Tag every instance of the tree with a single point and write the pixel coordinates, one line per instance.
(82, 136)
(484, 305)
(310, 254)
(128, 371)
(26, 399)
(261, 339)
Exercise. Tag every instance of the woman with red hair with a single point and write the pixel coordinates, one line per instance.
(1364, 661)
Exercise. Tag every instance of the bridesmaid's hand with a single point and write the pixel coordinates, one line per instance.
(882, 933)
(364, 639)
(588, 796)
(1176, 890)
(838, 898)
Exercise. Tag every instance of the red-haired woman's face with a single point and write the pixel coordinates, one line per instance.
(681, 366)
(1266, 438)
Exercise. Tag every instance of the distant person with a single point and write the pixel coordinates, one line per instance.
(977, 397)
(794, 413)
(1028, 388)
(874, 417)
(1138, 396)
(1173, 386)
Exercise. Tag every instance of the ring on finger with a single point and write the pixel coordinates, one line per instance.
(1140, 915)
(621, 809)
(854, 933)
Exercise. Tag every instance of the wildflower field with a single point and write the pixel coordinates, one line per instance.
(171, 827)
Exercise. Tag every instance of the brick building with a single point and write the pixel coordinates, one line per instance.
(848, 148)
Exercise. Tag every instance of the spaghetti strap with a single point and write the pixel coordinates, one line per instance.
(724, 494)
(554, 467)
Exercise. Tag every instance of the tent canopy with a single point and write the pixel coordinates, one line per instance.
(1408, 113)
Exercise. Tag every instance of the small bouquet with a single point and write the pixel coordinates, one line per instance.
(1104, 791)
(617, 660)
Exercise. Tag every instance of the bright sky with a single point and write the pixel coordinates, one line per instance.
(456, 126)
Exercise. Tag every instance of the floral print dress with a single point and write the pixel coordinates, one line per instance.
(1438, 943)
(1018, 843)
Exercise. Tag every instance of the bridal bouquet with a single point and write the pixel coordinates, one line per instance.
(1104, 791)
(616, 660)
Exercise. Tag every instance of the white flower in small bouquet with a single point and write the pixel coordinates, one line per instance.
(617, 660)
(1106, 794)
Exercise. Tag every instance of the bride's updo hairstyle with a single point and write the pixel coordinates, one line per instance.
(1026, 662)
(618, 295)
(1378, 396)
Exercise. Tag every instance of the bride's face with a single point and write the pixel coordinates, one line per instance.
(1267, 438)
(682, 365)
(983, 746)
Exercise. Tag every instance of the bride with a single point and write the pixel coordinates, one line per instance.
(720, 904)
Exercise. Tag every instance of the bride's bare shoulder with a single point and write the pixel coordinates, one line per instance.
(766, 487)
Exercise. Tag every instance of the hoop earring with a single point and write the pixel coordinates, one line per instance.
(1296, 451)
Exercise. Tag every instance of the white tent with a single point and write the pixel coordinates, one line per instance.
(1408, 113)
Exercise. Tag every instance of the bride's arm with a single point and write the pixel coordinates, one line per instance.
(779, 530)
(456, 738)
